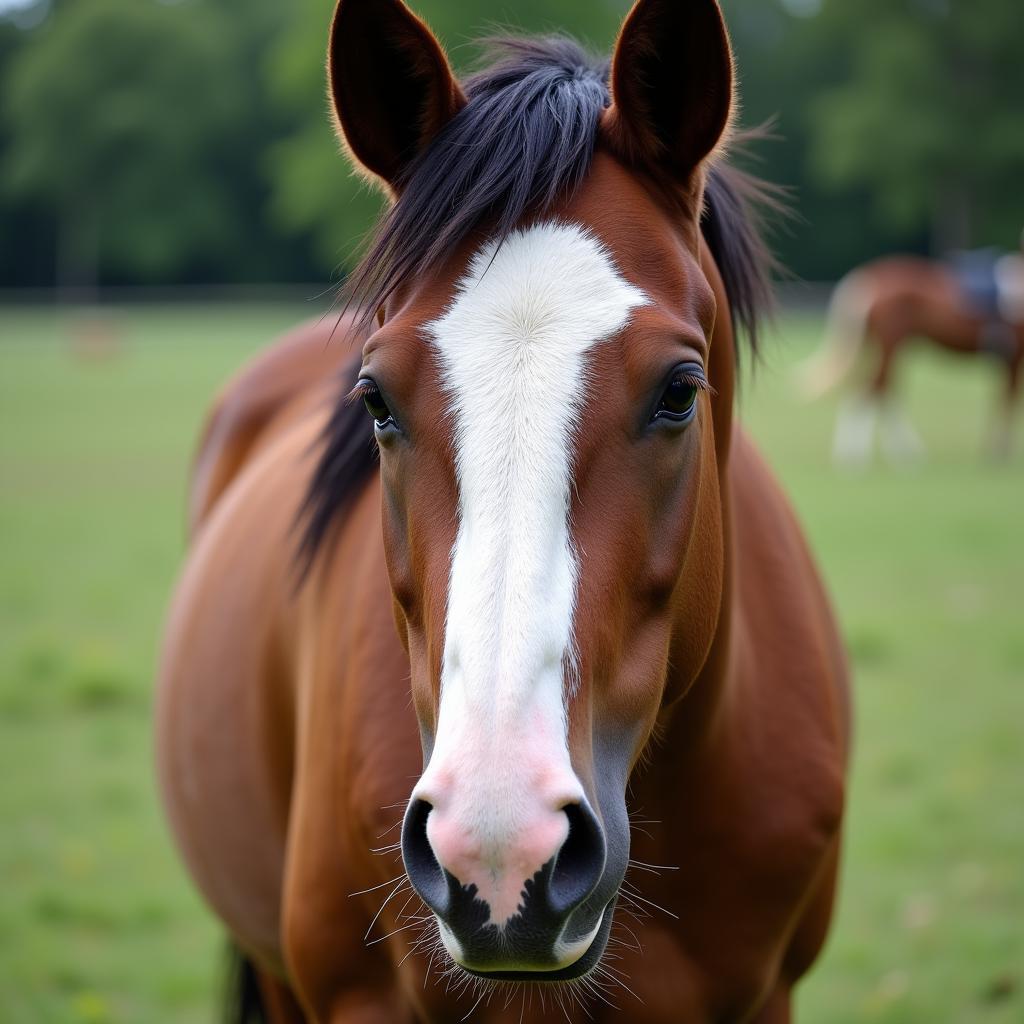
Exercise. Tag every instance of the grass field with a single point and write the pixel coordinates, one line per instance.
(98, 922)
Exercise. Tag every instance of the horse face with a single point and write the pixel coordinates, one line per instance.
(553, 536)
(551, 513)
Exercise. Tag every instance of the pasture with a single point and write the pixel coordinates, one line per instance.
(97, 920)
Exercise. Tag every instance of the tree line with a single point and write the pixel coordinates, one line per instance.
(188, 141)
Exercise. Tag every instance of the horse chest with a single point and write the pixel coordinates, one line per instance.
(752, 883)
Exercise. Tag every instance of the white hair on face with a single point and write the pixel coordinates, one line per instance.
(513, 347)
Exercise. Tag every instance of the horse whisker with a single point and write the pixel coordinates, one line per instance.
(401, 882)
(390, 881)
(656, 868)
(404, 928)
(474, 1006)
(657, 906)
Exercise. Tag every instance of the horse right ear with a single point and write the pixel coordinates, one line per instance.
(390, 83)
(672, 85)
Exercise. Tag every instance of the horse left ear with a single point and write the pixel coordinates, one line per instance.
(391, 85)
(672, 85)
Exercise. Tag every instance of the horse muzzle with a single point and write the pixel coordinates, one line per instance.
(495, 919)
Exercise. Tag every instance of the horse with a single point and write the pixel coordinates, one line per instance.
(504, 606)
(889, 305)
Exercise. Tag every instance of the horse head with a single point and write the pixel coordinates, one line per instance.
(552, 423)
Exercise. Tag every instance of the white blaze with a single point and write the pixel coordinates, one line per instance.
(513, 347)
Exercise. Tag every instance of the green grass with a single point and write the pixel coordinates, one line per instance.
(97, 920)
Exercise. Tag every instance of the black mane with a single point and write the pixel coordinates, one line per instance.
(523, 142)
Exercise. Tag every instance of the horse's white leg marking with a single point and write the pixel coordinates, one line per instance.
(513, 347)
(901, 443)
(856, 422)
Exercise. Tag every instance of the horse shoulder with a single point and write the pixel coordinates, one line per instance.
(268, 393)
(227, 692)
(794, 681)
(784, 609)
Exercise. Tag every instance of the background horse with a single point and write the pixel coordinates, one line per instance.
(599, 589)
(892, 303)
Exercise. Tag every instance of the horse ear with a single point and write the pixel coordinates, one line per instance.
(390, 83)
(672, 85)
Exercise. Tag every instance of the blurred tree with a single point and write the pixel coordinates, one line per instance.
(189, 140)
(15, 233)
(786, 58)
(926, 114)
(125, 117)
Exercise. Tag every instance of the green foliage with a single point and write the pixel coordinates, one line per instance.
(315, 192)
(928, 116)
(119, 112)
(190, 140)
(139, 124)
(98, 921)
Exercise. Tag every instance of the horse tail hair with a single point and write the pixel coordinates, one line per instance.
(845, 333)
(243, 1003)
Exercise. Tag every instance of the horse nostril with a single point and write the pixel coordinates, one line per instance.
(580, 862)
(568, 879)
(421, 865)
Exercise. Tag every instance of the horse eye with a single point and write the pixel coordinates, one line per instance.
(679, 401)
(377, 407)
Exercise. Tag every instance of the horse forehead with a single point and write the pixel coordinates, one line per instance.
(551, 290)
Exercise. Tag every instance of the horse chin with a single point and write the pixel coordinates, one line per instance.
(574, 960)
